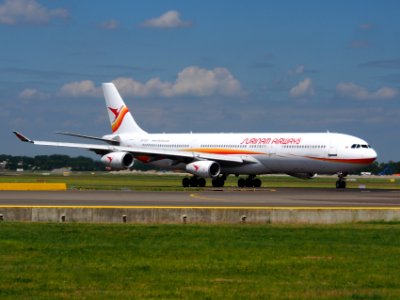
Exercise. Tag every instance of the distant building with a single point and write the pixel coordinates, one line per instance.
(3, 165)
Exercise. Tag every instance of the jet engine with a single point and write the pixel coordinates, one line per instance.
(118, 160)
(204, 168)
(303, 175)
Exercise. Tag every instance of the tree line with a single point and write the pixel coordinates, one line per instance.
(81, 163)
(51, 162)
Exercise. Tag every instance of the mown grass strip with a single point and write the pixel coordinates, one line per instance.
(89, 261)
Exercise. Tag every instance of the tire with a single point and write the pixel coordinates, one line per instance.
(257, 183)
(218, 182)
(241, 183)
(221, 182)
(185, 182)
(201, 182)
(340, 184)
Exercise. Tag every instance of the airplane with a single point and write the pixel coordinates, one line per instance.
(218, 155)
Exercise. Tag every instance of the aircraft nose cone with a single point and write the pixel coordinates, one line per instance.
(374, 155)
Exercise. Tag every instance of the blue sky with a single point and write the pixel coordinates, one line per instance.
(201, 66)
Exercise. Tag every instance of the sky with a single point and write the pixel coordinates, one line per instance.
(200, 66)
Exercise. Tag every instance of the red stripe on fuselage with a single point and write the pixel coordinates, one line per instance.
(222, 151)
(358, 161)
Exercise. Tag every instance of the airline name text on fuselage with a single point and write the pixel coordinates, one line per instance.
(266, 141)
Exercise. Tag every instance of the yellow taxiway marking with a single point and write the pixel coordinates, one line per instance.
(28, 186)
(196, 196)
(207, 207)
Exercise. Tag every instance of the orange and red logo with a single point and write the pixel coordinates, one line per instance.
(119, 115)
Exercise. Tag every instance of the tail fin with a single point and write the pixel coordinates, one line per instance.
(120, 118)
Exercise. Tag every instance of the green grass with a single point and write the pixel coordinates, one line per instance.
(89, 261)
(108, 181)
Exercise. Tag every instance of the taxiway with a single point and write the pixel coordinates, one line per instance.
(280, 197)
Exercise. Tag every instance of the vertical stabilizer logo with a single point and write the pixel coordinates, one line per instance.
(119, 115)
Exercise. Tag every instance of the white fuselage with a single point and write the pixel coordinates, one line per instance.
(216, 156)
(322, 153)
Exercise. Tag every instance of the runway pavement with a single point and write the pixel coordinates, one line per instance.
(280, 197)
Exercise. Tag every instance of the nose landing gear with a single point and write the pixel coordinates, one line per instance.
(341, 182)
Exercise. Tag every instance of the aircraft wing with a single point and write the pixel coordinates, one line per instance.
(153, 154)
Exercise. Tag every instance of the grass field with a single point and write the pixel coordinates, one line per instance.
(87, 261)
(115, 181)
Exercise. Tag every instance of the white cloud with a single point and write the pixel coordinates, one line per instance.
(170, 19)
(303, 89)
(202, 82)
(80, 88)
(110, 25)
(132, 87)
(28, 11)
(28, 93)
(193, 81)
(297, 71)
(351, 90)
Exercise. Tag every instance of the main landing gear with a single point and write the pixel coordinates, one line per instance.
(193, 181)
(250, 181)
(341, 182)
(219, 181)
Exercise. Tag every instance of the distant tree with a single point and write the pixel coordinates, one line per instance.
(81, 163)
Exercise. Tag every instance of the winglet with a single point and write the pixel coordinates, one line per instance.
(22, 137)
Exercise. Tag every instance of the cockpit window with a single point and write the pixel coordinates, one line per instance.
(357, 146)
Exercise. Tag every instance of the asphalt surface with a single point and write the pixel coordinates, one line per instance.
(280, 197)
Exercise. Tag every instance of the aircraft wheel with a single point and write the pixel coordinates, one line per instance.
(218, 182)
(257, 183)
(241, 183)
(201, 182)
(185, 182)
(340, 184)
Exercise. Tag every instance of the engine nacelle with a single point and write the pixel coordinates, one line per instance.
(303, 175)
(118, 160)
(204, 168)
